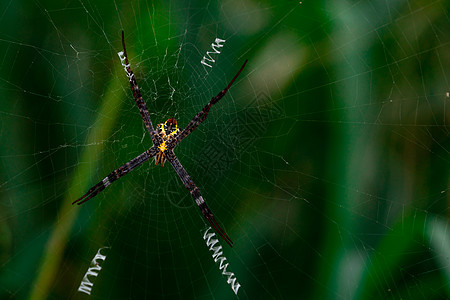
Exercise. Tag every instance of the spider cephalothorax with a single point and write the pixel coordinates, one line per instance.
(168, 129)
(165, 138)
(168, 132)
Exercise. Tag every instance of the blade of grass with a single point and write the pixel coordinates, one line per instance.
(407, 238)
(105, 120)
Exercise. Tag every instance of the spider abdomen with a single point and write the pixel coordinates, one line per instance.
(160, 158)
(167, 131)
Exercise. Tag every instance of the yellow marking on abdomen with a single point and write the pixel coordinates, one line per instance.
(163, 147)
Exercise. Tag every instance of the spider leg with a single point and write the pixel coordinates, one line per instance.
(137, 93)
(201, 116)
(116, 174)
(195, 192)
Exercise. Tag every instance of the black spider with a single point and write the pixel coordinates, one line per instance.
(165, 138)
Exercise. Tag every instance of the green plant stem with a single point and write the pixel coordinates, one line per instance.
(54, 250)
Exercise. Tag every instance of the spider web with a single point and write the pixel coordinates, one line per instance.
(326, 163)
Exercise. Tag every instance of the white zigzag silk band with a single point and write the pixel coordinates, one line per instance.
(211, 242)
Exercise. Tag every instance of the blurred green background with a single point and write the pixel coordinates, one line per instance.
(327, 163)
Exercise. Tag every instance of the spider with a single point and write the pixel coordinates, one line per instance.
(165, 138)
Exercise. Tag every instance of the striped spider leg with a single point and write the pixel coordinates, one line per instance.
(137, 93)
(201, 116)
(195, 192)
(116, 174)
